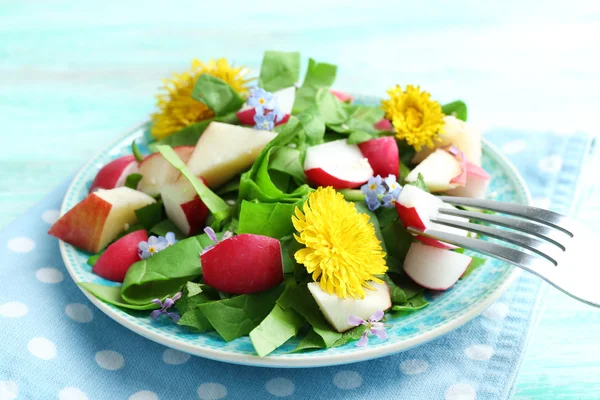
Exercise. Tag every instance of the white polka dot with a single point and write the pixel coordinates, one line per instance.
(211, 391)
(414, 367)
(514, 146)
(71, 393)
(13, 309)
(461, 391)
(479, 352)
(280, 387)
(542, 202)
(144, 395)
(79, 313)
(42, 348)
(49, 275)
(347, 380)
(8, 390)
(50, 216)
(21, 245)
(110, 360)
(550, 164)
(175, 357)
(496, 312)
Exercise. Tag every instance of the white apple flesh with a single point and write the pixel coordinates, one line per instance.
(337, 164)
(156, 171)
(441, 172)
(434, 268)
(478, 181)
(184, 207)
(337, 310)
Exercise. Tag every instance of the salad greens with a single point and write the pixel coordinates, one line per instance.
(279, 70)
(217, 95)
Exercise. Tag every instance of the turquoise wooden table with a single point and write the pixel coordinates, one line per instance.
(75, 75)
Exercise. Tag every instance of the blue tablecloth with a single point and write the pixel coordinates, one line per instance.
(55, 344)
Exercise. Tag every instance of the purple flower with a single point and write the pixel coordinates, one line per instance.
(213, 236)
(392, 186)
(151, 247)
(260, 99)
(374, 327)
(169, 302)
(264, 122)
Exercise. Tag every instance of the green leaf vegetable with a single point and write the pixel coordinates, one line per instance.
(136, 152)
(165, 226)
(279, 70)
(150, 215)
(358, 136)
(112, 295)
(457, 108)
(132, 180)
(318, 75)
(279, 326)
(420, 183)
(266, 219)
(217, 95)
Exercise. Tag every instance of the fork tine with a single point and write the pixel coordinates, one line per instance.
(521, 259)
(549, 234)
(540, 215)
(540, 247)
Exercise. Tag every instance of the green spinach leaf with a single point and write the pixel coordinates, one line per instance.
(420, 183)
(287, 160)
(457, 108)
(112, 295)
(415, 303)
(217, 95)
(136, 152)
(357, 137)
(279, 326)
(279, 70)
(150, 215)
(166, 226)
(330, 108)
(132, 180)
(266, 219)
(318, 75)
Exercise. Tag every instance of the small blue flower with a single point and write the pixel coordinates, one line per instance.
(389, 201)
(170, 238)
(372, 201)
(264, 122)
(169, 302)
(260, 99)
(392, 186)
(373, 186)
(151, 247)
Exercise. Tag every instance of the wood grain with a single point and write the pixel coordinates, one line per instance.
(74, 75)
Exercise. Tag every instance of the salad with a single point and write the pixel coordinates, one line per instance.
(273, 210)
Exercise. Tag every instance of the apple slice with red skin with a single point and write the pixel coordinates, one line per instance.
(119, 256)
(337, 164)
(100, 218)
(184, 207)
(382, 154)
(243, 264)
(477, 183)
(434, 268)
(156, 171)
(415, 208)
(284, 99)
(342, 96)
(441, 171)
(114, 174)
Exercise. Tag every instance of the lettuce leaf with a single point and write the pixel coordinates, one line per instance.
(279, 70)
(217, 95)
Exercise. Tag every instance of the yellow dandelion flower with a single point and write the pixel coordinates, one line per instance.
(341, 248)
(177, 109)
(416, 118)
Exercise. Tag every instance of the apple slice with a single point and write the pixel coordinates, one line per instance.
(184, 207)
(337, 310)
(114, 173)
(337, 164)
(415, 208)
(284, 99)
(156, 171)
(434, 268)
(441, 171)
(342, 96)
(464, 136)
(477, 184)
(119, 256)
(243, 264)
(99, 218)
(224, 150)
(382, 154)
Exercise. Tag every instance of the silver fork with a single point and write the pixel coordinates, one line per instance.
(563, 249)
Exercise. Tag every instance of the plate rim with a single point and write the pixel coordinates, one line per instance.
(321, 359)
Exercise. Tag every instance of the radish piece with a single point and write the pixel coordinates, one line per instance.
(114, 174)
(439, 170)
(184, 207)
(337, 310)
(157, 171)
(382, 154)
(384, 125)
(243, 264)
(284, 99)
(434, 268)
(477, 184)
(119, 256)
(415, 208)
(337, 164)
(342, 96)
(99, 218)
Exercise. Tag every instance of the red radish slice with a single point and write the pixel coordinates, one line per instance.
(384, 125)
(337, 164)
(243, 264)
(284, 99)
(342, 96)
(382, 154)
(415, 208)
(157, 171)
(119, 256)
(477, 184)
(183, 206)
(99, 218)
(113, 174)
(439, 170)
(434, 268)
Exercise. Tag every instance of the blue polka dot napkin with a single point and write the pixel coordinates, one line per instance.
(55, 344)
